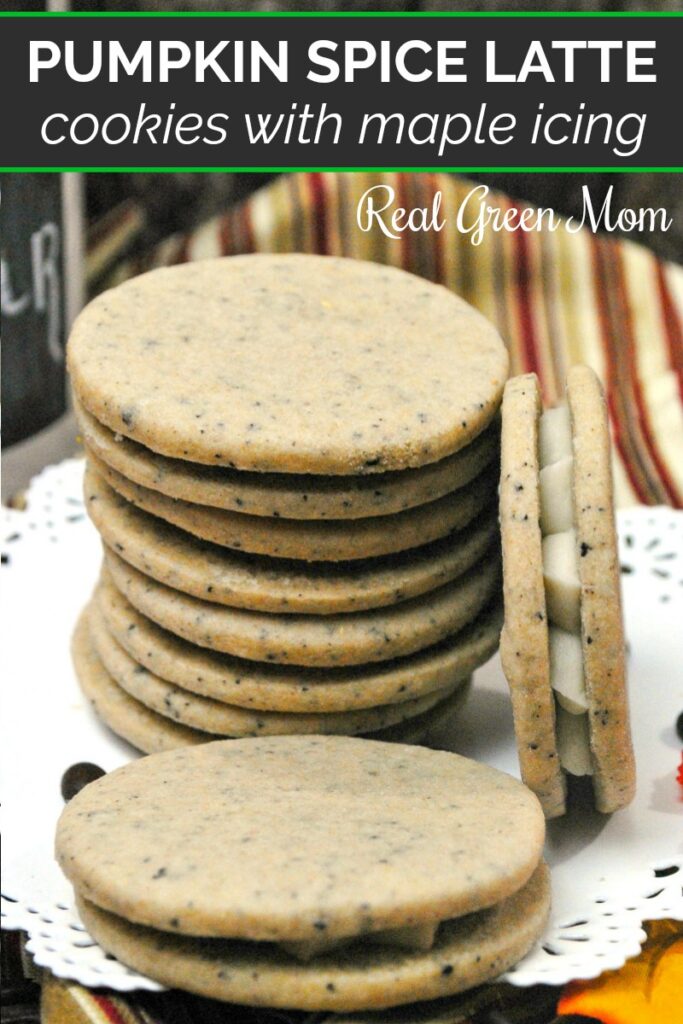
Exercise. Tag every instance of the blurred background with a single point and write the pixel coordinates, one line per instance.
(65, 237)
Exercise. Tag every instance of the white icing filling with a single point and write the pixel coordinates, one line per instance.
(554, 435)
(563, 591)
(418, 936)
(556, 484)
(561, 577)
(573, 744)
(566, 670)
(414, 937)
(307, 949)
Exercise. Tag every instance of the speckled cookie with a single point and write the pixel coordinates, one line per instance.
(524, 638)
(150, 732)
(316, 640)
(292, 496)
(385, 836)
(325, 541)
(289, 363)
(432, 725)
(224, 719)
(128, 718)
(467, 953)
(601, 736)
(602, 628)
(290, 688)
(223, 576)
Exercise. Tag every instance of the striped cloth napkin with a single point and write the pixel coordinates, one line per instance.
(557, 297)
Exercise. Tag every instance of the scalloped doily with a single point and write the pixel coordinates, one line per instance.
(609, 874)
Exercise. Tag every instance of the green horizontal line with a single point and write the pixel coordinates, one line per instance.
(341, 14)
(352, 170)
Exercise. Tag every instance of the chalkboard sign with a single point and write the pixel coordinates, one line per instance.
(32, 303)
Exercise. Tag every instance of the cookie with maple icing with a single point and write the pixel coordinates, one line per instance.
(466, 954)
(562, 644)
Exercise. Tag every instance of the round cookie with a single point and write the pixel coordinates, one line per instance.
(292, 496)
(289, 688)
(151, 733)
(223, 719)
(524, 637)
(362, 978)
(309, 540)
(223, 576)
(602, 627)
(386, 836)
(326, 641)
(435, 722)
(132, 721)
(289, 363)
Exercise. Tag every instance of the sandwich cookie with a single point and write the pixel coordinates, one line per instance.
(313, 541)
(290, 496)
(330, 640)
(386, 898)
(224, 719)
(466, 954)
(150, 732)
(562, 643)
(289, 688)
(288, 364)
(220, 575)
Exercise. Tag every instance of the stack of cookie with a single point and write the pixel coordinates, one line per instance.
(318, 873)
(292, 462)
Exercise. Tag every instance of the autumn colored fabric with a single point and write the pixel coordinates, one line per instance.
(647, 990)
(557, 297)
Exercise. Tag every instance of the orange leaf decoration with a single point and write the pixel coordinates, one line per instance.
(646, 990)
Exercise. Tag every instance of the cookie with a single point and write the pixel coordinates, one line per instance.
(150, 732)
(329, 640)
(289, 363)
(128, 718)
(562, 644)
(602, 628)
(289, 688)
(223, 576)
(524, 637)
(323, 834)
(289, 495)
(467, 953)
(223, 719)
(313, 541)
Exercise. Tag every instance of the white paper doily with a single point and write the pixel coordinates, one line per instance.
(609, 874)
